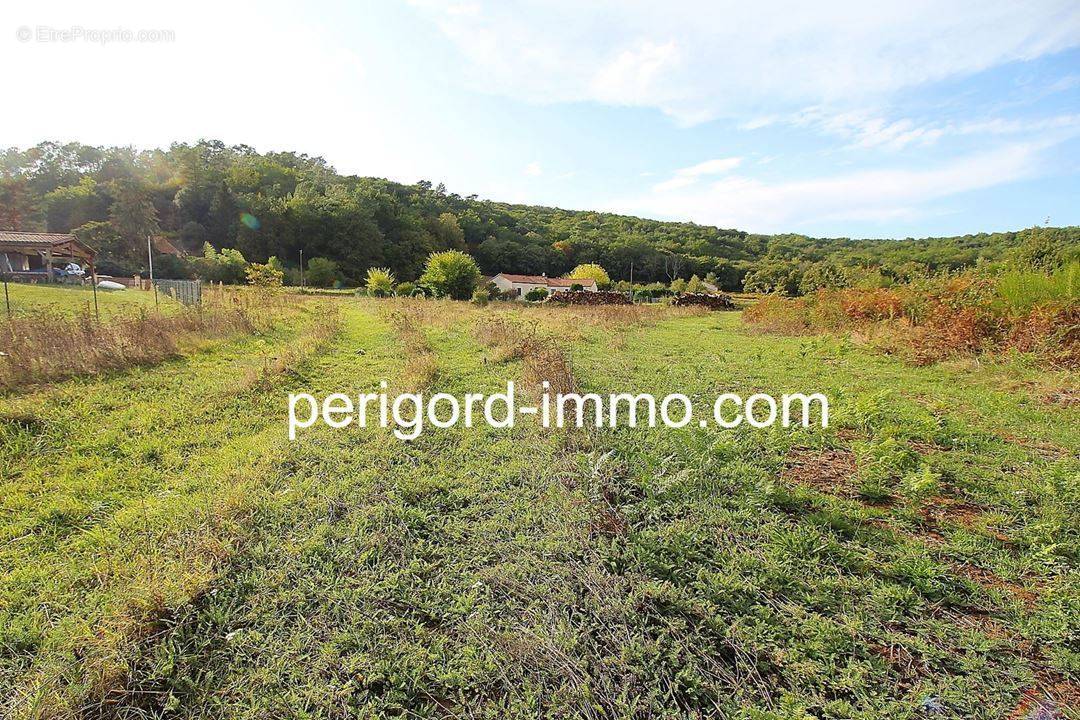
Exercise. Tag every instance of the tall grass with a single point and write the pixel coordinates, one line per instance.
(1020, 291)
(55, 345)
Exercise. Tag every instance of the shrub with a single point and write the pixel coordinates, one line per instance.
(577, 287)
(380, 282)
(933, 318)
(451, 273)
(405, 289)
(322, 272)
(480, 296)
(264, 275)
(536, 295)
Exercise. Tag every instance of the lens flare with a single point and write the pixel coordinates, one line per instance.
(250, 220)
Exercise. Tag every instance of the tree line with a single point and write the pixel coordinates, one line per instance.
(229, 205)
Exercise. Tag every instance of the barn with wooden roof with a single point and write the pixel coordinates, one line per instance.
(42, 256)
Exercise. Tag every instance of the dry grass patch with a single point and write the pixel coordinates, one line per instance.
(541, 356)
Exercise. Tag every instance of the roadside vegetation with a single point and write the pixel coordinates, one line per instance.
(166, 552)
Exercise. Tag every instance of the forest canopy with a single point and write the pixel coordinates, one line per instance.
(275, 204)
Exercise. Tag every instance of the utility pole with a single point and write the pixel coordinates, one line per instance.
(150, 258)
(301, 269)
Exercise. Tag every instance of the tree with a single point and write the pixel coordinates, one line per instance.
(17, 206)
(678, 285)
(322, 272)
(264, 275)
(591, 271)
(451, 273)
(132, 212)
(448, 231)
(822, 275)
(696, 285)
(380, 282)
(227, 266)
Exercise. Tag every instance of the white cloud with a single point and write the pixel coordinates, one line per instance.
(702, 59)
(533, 169)
(687, 176)
(864, 129)
(878, 195)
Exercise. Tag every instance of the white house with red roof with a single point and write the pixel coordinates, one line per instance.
(520, 285)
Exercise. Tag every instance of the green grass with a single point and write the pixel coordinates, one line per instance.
(1020, 291)
(30, 299)
(165, 551)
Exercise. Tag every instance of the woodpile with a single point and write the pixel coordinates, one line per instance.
(713, 302)
(577, 297)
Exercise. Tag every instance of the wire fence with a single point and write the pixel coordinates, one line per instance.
(18, 295)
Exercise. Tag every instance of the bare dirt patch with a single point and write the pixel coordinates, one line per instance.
(830, 471)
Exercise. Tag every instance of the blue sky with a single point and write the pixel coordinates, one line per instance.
(887, 119)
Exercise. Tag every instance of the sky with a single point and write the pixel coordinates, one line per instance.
(836, 118)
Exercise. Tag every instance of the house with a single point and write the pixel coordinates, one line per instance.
(166, 247)
(41, 256)
(519, 285)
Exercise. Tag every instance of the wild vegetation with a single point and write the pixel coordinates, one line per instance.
(44, 345)
(229, 205)
(165, 551)
(945, 316)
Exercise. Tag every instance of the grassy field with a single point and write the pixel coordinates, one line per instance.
(165, 551)
(29, 299)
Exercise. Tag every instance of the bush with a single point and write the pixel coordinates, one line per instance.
(264, 275)
(322, 272)
(451, 273)
(227, 266)
(380, 282)
(577, 287)
(405, 289)
(480, 296)
(536, 295)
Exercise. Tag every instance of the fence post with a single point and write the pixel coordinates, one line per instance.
(7, 298)
(93, 284)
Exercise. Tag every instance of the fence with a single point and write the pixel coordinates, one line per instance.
(188, 292)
